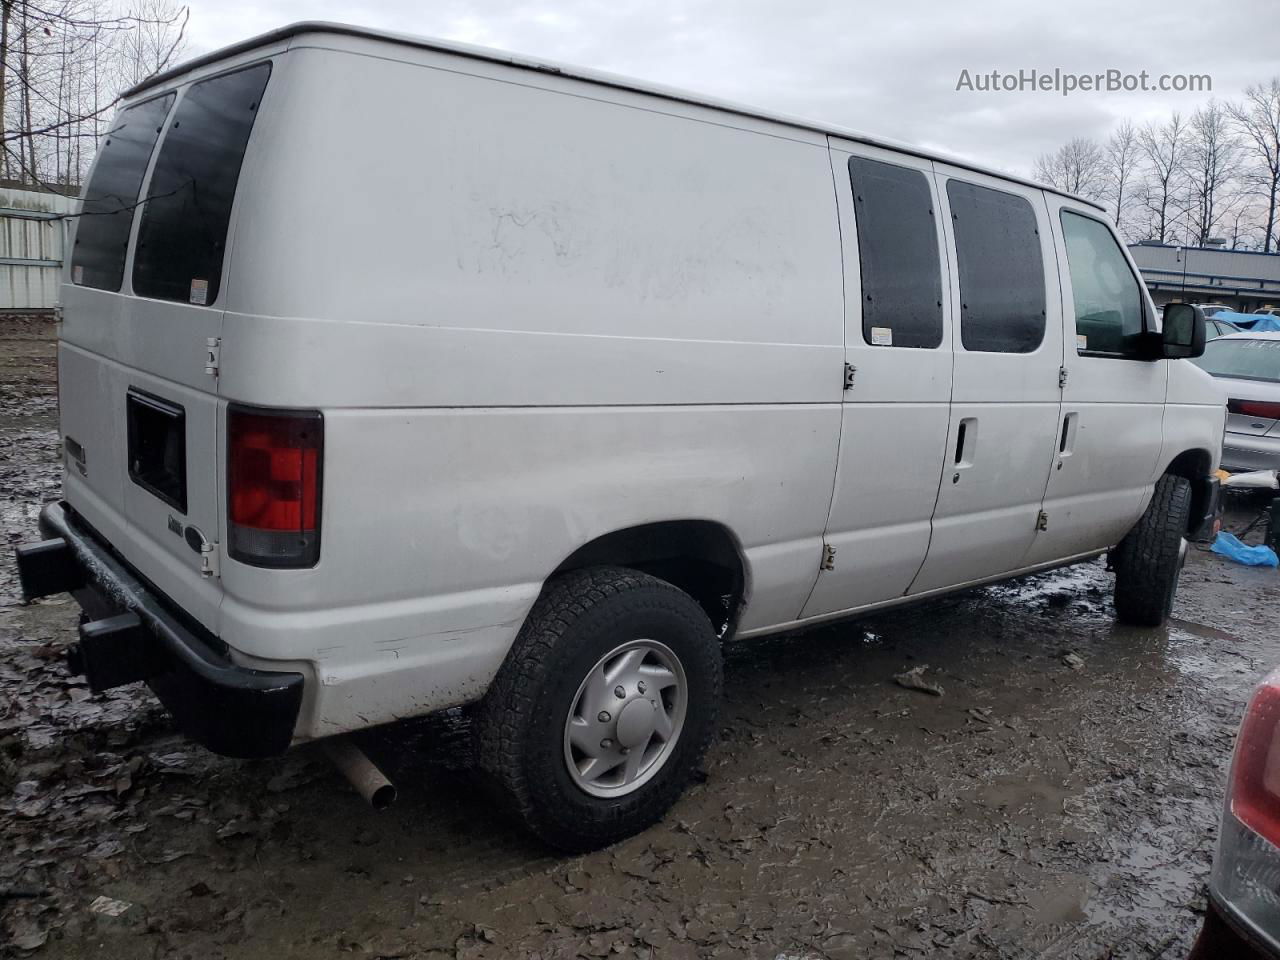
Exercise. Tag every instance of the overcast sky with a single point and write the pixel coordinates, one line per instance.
(884, 67)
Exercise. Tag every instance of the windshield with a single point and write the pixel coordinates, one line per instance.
(1211, 311)
(1242, 359)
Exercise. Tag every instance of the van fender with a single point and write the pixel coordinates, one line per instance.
(704, 558)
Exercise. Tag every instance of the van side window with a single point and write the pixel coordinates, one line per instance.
(1107, 297)
(1002, 295)
(183, 233)
(898, 254)
(102, 235)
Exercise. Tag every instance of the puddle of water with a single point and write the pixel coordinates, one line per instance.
(1201, 630)
(1073, 581)
(1146, 880)
(1029, 793)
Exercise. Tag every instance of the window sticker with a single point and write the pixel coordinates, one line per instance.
(200, 292)
(77, 273)
(1082, 341)
(882, 336)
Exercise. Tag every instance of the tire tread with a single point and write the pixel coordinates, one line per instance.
(1147, 561)
(510, 706)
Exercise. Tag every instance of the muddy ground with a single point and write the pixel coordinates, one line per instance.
(1036, 809)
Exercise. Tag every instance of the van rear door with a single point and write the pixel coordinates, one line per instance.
(142, 321)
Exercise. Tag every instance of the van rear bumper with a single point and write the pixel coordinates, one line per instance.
(135, 633)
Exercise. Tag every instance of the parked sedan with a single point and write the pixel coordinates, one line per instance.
(1212, 327)
(1247, 365)
(1219, 328)
(1243, 919)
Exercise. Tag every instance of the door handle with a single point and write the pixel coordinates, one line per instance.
(966, 446)
(1067, 439)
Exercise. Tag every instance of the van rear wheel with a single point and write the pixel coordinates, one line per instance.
(1148, 561)
(602, 711)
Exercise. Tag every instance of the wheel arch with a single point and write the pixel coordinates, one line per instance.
(1193, 465)
(702, 557)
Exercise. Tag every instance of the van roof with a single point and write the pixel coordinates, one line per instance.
(578, 73)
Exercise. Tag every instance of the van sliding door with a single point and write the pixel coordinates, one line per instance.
(898, 348)
(1006, 399)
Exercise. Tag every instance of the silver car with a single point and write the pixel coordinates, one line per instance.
(1247, 365)
(1219, 328)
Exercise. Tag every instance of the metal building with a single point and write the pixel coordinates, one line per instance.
(1241, 279)
(33, 240)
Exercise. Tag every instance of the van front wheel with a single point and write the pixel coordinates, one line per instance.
(1149, 559)
(603, 709)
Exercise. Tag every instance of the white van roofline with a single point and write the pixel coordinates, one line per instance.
(580, 73)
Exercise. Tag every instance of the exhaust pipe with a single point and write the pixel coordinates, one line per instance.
(370, 782)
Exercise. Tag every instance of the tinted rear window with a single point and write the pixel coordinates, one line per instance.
(1002, 298)
(898, 250)
(102, 236)
(183, 233)
(1242, 359)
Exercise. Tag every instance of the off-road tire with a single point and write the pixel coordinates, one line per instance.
(578, 619)
(1148, 560)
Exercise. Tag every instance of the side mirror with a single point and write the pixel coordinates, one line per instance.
(1183, 333)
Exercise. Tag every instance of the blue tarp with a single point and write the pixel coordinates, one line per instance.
(1229, 546)
(1253, 322)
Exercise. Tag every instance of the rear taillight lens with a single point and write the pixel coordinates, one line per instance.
(1246, 868)
(1255, 408)
(1255, 772)
(274, 462)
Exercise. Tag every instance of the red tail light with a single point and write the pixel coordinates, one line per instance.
(1246, 868)
(1255, 772)
(273, 486)
(1255, 408)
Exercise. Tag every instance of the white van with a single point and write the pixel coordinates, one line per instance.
(398, 376)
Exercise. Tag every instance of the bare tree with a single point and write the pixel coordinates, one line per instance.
(157, 38)
(1240, 223)
(63, 64)
(1163, 146)
(1078, 166)
(1212, 161)
(1258, 121)
(1121, 154)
